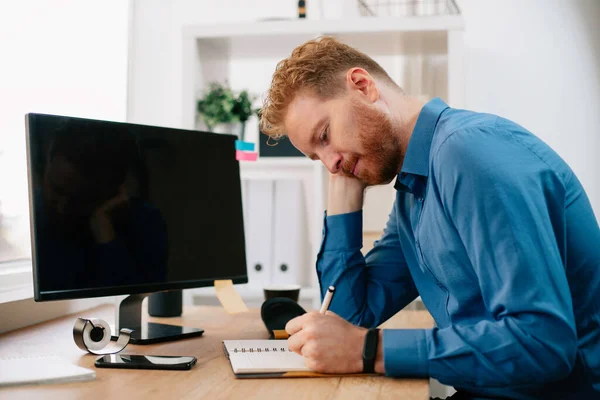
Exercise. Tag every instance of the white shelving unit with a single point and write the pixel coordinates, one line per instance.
(392, 25)
(422, 54)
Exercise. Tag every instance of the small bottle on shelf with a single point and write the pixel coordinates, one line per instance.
(301, 9)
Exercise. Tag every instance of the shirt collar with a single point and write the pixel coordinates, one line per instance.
(416, 159)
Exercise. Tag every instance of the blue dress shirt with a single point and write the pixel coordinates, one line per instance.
(496, 234)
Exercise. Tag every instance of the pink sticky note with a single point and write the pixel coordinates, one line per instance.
(245, 155)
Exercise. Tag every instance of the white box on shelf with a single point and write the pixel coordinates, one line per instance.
(259, 238)
(289, 234)
(245, 183)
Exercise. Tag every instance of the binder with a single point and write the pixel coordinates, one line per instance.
(289, 233)
(259, 234)
(245, 204)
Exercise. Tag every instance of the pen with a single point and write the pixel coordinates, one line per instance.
(327, 299)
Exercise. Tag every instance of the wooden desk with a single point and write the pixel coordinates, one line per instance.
(211, 378)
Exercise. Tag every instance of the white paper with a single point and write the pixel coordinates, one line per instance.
(46, 369)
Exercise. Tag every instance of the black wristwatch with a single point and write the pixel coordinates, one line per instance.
(370, 350)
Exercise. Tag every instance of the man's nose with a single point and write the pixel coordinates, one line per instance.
(333, 162)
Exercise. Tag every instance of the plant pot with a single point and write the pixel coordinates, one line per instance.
(234, 128)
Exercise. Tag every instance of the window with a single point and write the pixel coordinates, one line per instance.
(58, 57)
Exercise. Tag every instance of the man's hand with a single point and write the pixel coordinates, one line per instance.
(346, 194)
(328, 343)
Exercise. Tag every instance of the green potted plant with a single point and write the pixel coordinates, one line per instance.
(220, 105)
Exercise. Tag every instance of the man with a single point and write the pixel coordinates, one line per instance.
(490, 227)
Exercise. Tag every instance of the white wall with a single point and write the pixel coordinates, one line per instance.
(156, 54)
(58, 57)
(537, 62)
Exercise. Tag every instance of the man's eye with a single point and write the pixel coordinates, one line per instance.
(324, 135)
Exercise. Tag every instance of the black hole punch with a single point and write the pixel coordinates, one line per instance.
(283, 267)
(258, 267)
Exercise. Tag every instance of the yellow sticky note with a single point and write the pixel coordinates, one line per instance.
(230, 299)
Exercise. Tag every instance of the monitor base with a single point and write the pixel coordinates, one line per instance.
(152, 332)
(130, 317)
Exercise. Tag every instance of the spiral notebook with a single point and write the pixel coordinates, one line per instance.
(265, 359)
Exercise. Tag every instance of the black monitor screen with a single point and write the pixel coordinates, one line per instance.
(123, 208)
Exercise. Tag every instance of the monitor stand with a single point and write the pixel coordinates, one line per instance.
(129, 316)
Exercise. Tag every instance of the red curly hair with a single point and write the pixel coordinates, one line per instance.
(318, 67)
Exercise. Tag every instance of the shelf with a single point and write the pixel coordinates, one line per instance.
(274, 168)
(250, 292)
(278, 162)
(326, 27)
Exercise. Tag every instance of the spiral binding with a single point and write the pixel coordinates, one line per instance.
(261, 350)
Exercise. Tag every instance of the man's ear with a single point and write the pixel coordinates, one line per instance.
(358, 79)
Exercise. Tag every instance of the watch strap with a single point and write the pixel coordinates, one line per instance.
(370, 350)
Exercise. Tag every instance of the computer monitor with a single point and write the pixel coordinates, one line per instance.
(119, 208)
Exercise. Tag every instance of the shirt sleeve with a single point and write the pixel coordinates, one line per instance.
(506, 204)
(370, 289)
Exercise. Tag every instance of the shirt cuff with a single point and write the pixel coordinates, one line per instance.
(405, 353)
(342, 231)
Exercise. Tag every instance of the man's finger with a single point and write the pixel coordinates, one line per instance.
(295, 325)
(297, 341)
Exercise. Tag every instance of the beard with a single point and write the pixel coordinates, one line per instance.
(381, 158)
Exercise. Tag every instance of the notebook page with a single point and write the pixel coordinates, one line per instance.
(262, 356)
